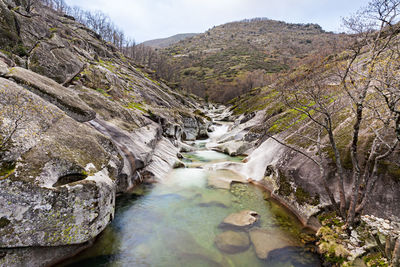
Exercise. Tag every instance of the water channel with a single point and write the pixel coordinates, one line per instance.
(175, 223)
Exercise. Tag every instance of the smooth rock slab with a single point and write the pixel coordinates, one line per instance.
(243, 219)
(62, 97)
(223, 179)
(265, 241)
(232, 242)
(215, 198)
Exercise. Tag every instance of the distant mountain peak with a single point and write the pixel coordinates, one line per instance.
(165, 42)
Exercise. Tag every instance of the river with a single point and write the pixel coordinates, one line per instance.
(175, 222)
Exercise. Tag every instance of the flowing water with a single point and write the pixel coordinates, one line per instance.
(174, 223)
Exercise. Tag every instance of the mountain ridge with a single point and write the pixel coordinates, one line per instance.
(165, 42)
(217, 63)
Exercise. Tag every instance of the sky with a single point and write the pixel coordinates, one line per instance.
(151, 19)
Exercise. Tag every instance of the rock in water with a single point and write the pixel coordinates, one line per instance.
(188, 250)
(232, 242)
(265, 241)
(223, 179)
(245, 218)
(215, 198)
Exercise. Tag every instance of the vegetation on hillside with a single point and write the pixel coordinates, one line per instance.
(165, 42)
(343, 107)
(233, 58)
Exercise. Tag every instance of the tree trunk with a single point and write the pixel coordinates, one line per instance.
(356, 166)
(340, 171)
(396, 254)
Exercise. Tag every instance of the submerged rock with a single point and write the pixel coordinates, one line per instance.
(295, 256)
(265, 241)
(232, 242)
(189, 250)
(242, 219)
(215, 198)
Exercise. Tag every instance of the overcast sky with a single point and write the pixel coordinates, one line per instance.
(152, 19)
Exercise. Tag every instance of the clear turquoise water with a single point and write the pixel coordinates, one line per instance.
(174, 223)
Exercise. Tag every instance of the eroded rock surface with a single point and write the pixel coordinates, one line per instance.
(242, 219)
(93, 124)
(60, 189)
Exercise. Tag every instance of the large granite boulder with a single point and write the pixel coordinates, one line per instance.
(8, 29)
(57, 177)
(64, 98)
(64, 66)
(190, 129)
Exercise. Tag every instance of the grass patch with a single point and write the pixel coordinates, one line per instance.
(138, 106)
(6, 169)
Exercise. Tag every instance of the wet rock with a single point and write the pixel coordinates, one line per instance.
(164, 159)
(293, 256)
(232, 148)
(172, 130)
(188, 250)
(223, 179)
(242, 219)
(215, 198)
(178, 164)
(265, 241)
(185, 148)
(232, 242)
(203, 129)
(137, 151)
(219, 182)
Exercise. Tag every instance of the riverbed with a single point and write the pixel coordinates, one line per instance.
(175, 222)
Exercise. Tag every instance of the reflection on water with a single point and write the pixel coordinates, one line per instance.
(175, 223)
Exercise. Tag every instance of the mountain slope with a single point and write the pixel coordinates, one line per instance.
(217, 62)
(79, 123)
(165, 42)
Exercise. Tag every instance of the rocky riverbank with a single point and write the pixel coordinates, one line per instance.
(80, 124)
(294, 182)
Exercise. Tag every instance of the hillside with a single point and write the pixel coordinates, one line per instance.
(80, 123)
(92, 128)
(220, 62)
(165, 42)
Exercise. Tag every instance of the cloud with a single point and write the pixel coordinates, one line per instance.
(150, 19)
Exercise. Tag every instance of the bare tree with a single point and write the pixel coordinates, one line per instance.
(16, 111)
(355, 78)
(372, 26)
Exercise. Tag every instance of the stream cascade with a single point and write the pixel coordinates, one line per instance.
(201, 215)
